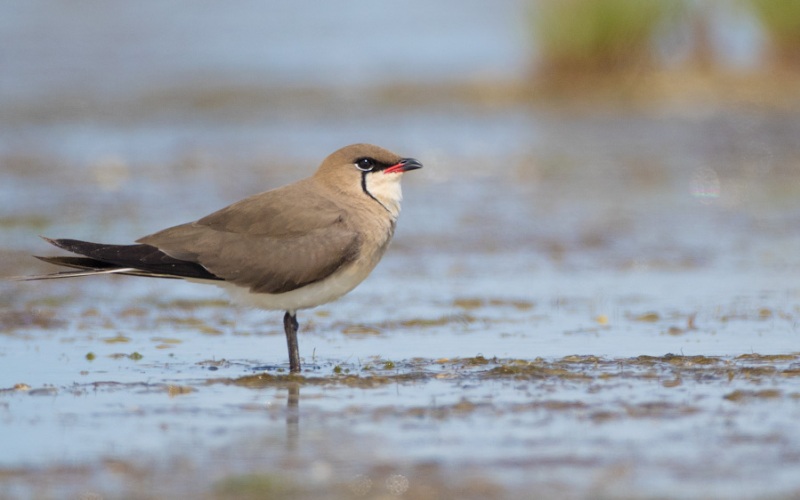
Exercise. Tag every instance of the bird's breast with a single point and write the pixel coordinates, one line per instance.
(374, 240)
(314, 294)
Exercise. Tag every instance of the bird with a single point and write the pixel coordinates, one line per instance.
(294, 247)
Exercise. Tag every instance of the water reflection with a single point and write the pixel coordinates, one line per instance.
(292, 415)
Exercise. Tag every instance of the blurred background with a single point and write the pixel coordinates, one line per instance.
(543, 124)
(600, 133)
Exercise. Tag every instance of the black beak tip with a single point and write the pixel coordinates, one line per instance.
(410, 164)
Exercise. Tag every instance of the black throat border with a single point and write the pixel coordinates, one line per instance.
(366, 191)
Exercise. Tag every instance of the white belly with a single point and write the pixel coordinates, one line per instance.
(306, 297)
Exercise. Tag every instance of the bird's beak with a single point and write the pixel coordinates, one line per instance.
(403, 165)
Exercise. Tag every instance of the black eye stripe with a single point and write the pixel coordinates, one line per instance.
(368, 164)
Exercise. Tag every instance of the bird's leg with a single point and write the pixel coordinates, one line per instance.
(290, 327)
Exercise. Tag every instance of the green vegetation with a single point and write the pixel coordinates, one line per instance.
(590, 36)
(781, 22)
(582, 38)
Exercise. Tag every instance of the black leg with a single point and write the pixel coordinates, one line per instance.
(290, 327)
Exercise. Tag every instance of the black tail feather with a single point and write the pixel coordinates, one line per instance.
(77, 262)
(143, 258)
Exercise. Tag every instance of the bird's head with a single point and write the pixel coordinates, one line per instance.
(367, 171)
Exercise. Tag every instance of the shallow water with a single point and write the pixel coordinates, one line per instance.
(578, 303)
(516, 337)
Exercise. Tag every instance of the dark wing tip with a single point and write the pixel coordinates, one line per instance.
(77, 262)
(56, 242)
(146, 259)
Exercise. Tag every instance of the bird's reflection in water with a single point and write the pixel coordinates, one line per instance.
(292, 415)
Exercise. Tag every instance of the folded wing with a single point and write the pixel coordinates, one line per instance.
(273, 242)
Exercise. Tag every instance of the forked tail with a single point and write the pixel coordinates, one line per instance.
(134, 260)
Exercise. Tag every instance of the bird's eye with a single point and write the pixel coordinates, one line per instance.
(365, 164)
